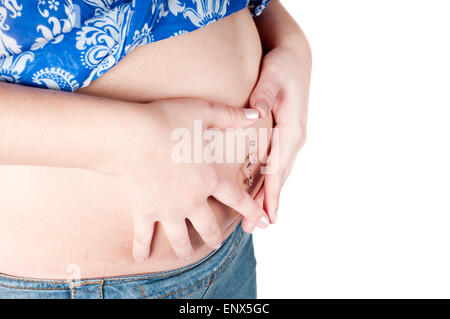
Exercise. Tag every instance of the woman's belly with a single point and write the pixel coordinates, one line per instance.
(64, 223)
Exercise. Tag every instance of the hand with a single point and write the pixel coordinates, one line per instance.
(158, 189)
(283, 89)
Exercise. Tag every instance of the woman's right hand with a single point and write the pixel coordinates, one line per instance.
(158, 189)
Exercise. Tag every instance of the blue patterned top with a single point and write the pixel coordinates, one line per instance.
(66, 44)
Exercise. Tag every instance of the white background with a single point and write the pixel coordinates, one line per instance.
(366, 211)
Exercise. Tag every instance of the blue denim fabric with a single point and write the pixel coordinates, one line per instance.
(229, 272)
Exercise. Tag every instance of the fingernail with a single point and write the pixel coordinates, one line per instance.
(251, 228)
(274, 217)
(263, 222)
(251, 114)
(262, 107)
(217, 247)
(140, 260)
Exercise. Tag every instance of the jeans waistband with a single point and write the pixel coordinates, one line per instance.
(226, 251)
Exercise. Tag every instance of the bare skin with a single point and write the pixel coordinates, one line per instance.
(282, 90)
(42, 133)
(76, 216)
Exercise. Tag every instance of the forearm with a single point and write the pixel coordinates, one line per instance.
(278, 28)
(52, 128)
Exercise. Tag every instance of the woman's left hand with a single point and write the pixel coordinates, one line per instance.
(283, 89)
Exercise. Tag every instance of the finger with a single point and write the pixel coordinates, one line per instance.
(272, 190)
(264, 95)
(142, 237)
(178, 236)
(259, 198)
(225, 116)
(241, 201)
(247, 225)
(281, 160)
(205, 222)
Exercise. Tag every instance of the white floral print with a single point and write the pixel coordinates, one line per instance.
(66, 44)
(207, 11)
(8, 45)
(12, 66)
(55, 28)
(53, 4)
(55, 78)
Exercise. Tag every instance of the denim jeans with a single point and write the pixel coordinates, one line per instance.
(229, 272)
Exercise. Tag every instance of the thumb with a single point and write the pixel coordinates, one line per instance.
(226, 116)
(264, 95)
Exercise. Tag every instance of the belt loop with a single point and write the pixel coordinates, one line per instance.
(87, 289)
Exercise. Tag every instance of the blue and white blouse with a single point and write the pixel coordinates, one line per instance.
(66, 44)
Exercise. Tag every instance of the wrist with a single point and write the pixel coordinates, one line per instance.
(128, 134)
